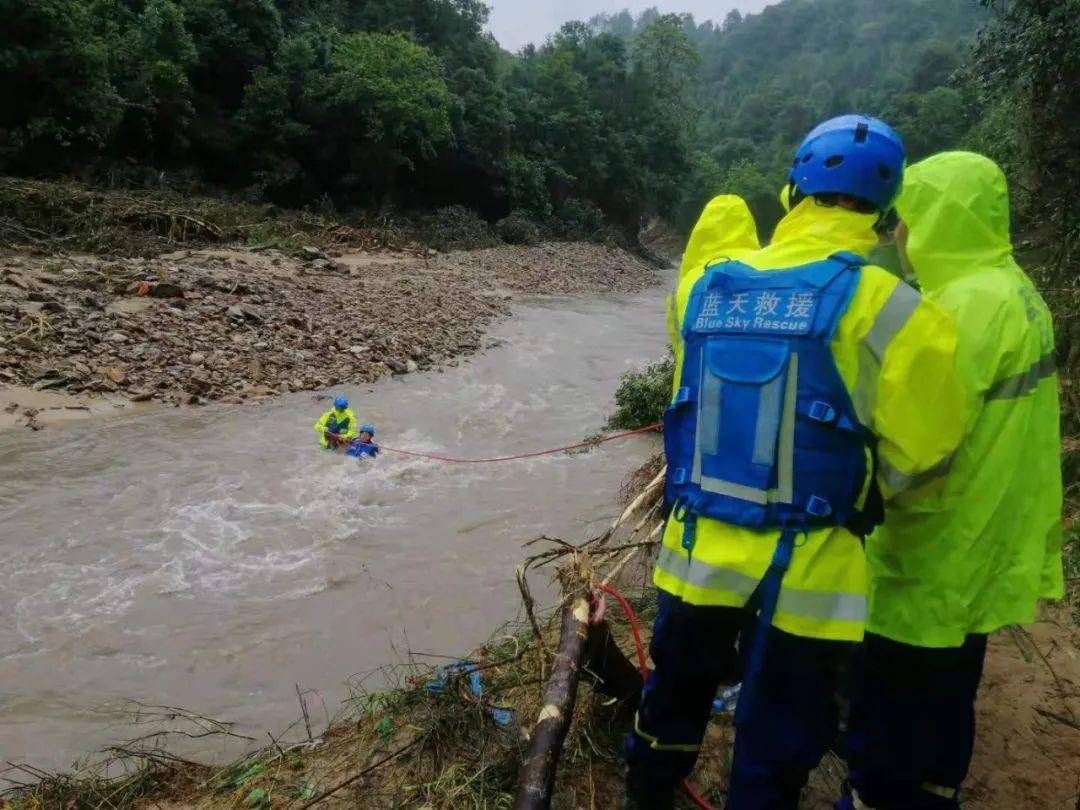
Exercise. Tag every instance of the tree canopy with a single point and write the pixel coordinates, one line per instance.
(410, 102)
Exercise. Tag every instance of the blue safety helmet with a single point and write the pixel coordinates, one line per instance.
(856, 155)
(368, 429)
(341, 403)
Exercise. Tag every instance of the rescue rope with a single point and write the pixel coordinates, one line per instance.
(695, 797)
(534, 454)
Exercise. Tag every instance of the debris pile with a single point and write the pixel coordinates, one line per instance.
(225, 325)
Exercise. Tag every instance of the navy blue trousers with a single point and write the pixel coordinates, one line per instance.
(790, 724)
(912, 724)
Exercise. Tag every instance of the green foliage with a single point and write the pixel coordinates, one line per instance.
(374, 102)
(526, 184)
(642, 396)
(518, 229)
(56, 100)
(768, 78)
(382, 99)
(232, 38)
(410, 102)
(580, 220)
(1029, 63)
(151, 57)
(343, 113)
(456, 228)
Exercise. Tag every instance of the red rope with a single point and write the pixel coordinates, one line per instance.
(695, 797)
(629, 611)
(553, 451)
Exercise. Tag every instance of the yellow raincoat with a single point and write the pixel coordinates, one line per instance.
(981, 551)
(785, 197)
(896, 354)
(725, 229)
(345, 420)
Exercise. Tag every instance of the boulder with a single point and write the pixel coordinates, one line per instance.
(241, 314)
(396, 365)
(199, 382)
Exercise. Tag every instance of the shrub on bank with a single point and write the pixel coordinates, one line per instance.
(518, 229)
(643, 396)
(456, 228)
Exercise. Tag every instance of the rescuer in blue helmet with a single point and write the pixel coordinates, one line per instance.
(854, 160)
(338, 425)
(810, 386)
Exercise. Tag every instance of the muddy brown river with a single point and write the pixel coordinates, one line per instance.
(212, 558)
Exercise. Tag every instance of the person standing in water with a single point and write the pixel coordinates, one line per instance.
(337, 426)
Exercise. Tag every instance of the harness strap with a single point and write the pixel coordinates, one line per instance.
(764, 600)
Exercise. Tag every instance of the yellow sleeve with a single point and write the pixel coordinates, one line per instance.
(726, 228)
(921, 406)
(320, 426)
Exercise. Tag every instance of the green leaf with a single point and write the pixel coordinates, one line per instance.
(385, 727)
(249, 774)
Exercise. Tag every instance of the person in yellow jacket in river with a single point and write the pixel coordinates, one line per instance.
(985, 545)
(809, 385)
(338, 425)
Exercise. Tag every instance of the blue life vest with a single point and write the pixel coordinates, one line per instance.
(359, 449)
(762, 432)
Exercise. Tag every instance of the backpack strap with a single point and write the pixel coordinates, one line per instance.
(848, 258)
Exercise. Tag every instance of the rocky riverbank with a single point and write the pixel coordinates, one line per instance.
(81, 335)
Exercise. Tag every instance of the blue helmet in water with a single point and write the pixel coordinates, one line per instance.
(341, 403)
(368, 429)
(857, 155)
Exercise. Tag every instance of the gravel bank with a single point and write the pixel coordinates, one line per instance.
(226, 325)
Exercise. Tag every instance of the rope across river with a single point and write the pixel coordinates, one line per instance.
(534, 454)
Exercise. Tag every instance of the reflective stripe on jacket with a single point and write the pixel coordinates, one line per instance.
(896, 354)
(986, 545)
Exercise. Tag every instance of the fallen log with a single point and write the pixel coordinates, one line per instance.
(581, 646)
(545, 745)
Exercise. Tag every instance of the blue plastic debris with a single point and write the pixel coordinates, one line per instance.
(502, 717)
(727, 700)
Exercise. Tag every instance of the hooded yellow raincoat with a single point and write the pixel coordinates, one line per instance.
(897, 355)
(725, 229)
(979, 552)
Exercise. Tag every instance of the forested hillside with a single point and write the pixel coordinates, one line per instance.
(363, 102)
(411, 103)
(767, 79)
